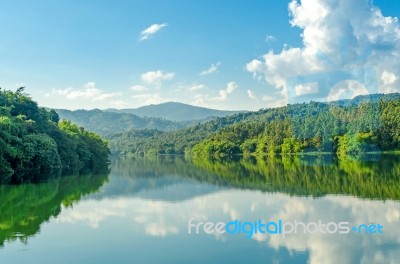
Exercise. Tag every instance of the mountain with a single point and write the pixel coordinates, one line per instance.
(348, 126)
(106, 123)
(175, 111)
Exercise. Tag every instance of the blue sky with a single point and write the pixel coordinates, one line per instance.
(92, 54)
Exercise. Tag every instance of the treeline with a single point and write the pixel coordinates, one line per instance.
(364, 124)
(153, 142)
(34, 144)
(313, 127)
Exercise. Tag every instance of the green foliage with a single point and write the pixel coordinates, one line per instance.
(371, 122)
(33, 143)
(348, 129)
(152, 142)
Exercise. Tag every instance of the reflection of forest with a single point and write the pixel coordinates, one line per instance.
(25, 207)
(312, 175)
(302, 175)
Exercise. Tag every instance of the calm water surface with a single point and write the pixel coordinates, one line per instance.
(138, 213)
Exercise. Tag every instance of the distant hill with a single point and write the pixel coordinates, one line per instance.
(175, 112)
(106, 123)
(373, 98)
(271, 130)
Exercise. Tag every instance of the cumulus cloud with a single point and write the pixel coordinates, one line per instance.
(335, 37)
(151, 30)
(388, 78)
(88, 91)
(213, 69)
(307, 88)
(346, 89)
(150, 98)
(251, 94)
(223, 94)
(156, 77)
(255, 66)
(196, 87)
(210, 100)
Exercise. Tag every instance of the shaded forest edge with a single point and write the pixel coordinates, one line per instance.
(36, 145)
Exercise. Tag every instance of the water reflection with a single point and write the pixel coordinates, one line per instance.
(140, 215)
(25, 207)
(301, 175)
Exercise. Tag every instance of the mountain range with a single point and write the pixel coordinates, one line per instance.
(164, 117)
(274, 129)
(175, 111)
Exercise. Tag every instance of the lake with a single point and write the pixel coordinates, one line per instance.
(139, 212)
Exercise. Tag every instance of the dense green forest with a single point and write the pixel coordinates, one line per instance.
(314, 127)
(364, 124)
(151, 142)
(34, 144)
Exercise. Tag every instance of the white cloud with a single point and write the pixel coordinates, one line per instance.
(213, 69)
(267, 98)
(88, 91)
(92, 216)
(203, 98)
(255, 66)
(160, 229)
(343, 36)
(200, 100)
(270, 38)
(151, 30)
(119, 104)
(223, 94)
(196, 87)
(388, 78)
(306, 88)
(138, 88)
(156, 77)
(230, 210)
(150, 98)
(251, 94)
(346, 89)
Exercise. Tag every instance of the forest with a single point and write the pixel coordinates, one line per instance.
(35, 144)
(349, 127)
